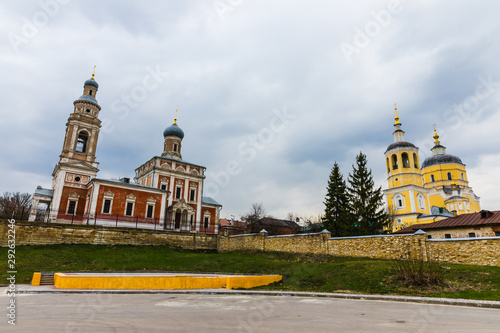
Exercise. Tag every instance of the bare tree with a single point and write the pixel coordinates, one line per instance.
(254, 215)
(15, 205)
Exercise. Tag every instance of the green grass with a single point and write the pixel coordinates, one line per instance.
(300, 272)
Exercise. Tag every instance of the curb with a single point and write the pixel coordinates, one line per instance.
(411, 299)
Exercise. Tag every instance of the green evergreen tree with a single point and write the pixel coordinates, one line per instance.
(337, 219)
(367, 205)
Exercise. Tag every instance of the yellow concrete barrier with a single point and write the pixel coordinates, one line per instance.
(35, 281)
(160, 281)
(251, 281)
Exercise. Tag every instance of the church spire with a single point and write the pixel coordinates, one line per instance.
(438, 149)
(436, 137)
(399, 134)
(396, 118)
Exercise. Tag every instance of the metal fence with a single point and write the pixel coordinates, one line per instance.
(135, 222)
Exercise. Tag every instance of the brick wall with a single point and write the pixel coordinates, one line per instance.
(44, 234)
(474, 251)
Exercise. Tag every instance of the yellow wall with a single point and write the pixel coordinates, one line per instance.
(440, 173)
(144, 281)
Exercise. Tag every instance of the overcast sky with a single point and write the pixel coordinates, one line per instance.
(270, 93)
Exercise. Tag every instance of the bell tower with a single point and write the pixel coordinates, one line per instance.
(77, 163)
(172, 141)
(401, 159)
(406, 197)
(82, 128)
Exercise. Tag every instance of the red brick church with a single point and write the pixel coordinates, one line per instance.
(167, 190)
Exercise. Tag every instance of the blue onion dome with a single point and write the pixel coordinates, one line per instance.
(86, 98)
(173, 130)
(441, 159)
(91, 82)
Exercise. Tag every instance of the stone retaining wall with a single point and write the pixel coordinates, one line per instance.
(474, 251)
(44, 234)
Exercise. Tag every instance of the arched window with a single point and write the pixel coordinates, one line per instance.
(389, 168)
(449, 175)
(421, 201)
(398, 201)
(463, 176)
(81, 143)
(415, 161)
(406, 161)
(394, 162)
(432, 178)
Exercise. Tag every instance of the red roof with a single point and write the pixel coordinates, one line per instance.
(484, 217)
(227, 223)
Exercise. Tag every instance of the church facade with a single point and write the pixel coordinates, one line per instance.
(168, 191)
(428, 192)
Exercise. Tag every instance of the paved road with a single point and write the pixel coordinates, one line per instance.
(214, 313)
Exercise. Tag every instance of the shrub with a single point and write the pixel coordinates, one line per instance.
(418, 272)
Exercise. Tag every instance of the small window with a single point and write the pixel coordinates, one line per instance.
(163, 186)
(449, 175)
(429, 236)
(421, 201)
(447, 236)
(497, 233)
(415, 160)
(77, 179)
(463, 177)
(399, 201)
(192, 194)
(71, 207)
(88, 110)
(191, 220)
(130, 207)
(205, 222)
(178, 192)
(81, 143)
(388, 166)
(90, 92)
(149, 213)
(107, 206)
(432, 178)
(472, 234)
(175, 147)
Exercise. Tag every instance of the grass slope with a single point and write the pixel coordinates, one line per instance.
(300, 272)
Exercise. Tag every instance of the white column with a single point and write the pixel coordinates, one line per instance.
(93, 203)
(412, 201)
